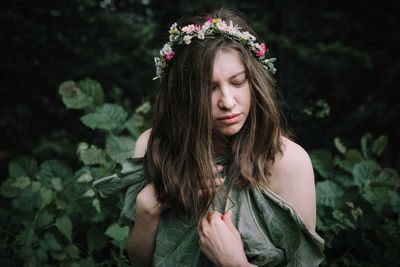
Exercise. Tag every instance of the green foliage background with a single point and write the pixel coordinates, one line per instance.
(337, 73)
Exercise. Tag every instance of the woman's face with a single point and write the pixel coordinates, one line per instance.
(231, 96)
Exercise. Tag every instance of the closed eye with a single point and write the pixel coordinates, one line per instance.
(239, 83)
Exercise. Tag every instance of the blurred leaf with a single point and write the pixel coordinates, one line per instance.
(56, 182)
(23, 166)
(72, 251)
(322, 161)
(36, 186)
(93, 90)
(73, 97)
(41, 254)
(46, 196)
(328, 194)
(96, 204)
(53, 169)
(7, 189)
(89, 193)
(364, 172)
(85, 177)
(120, 148)
(96, 239)
(92, 155)
(379, 145)
(116, 232)
(58, 255)
(44, 219)
(133, 125)
(26, 200)
(395, 202)
(365, 145)
(64, 225)
(354, 156)
(21, 182)
(339, 145)
(107, 117)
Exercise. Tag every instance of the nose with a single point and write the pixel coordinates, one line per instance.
(226, 98)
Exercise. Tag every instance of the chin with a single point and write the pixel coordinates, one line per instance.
(229, 130)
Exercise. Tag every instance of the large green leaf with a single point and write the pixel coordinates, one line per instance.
(364, 172)
(64, 225)
(93, 90)
(26, 200)
(53, 169)
(328, 194)
(120, 148)
(322, 161)
(92, 156)
(107, 117)
(116, 232)
(73, 97)
(23, 166)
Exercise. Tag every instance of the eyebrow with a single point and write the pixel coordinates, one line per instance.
(237, 74)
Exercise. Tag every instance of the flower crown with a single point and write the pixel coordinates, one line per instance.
(212, 27)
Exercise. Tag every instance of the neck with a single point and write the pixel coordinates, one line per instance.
(221, 144)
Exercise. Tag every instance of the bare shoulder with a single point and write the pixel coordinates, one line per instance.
(141, 144)
(292, 178)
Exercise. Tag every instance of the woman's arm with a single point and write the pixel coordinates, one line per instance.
(292, 178)
(142, 235)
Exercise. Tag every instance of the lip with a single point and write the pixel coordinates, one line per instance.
(229, 119)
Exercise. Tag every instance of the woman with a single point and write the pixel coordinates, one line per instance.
(220, 183)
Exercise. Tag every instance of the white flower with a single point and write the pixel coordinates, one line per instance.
(221, 25)
(200, 35)
(166, 49)
(188, 28)
(245, 35)
(206, 26)
(173, 26)
(187, 39)
(232, 29)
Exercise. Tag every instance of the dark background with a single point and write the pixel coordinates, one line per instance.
(344, 53)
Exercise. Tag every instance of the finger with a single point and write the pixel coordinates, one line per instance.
(227, 218)
(214, 215)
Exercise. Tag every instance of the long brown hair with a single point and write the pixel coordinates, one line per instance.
(179, 156)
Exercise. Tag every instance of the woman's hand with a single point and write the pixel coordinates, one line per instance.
(220, 241)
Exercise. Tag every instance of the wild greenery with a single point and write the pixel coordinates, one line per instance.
(56, 217)
(358, 204)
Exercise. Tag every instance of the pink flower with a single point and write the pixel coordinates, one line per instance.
(210, 20)
(261, 53)
(170, 56)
